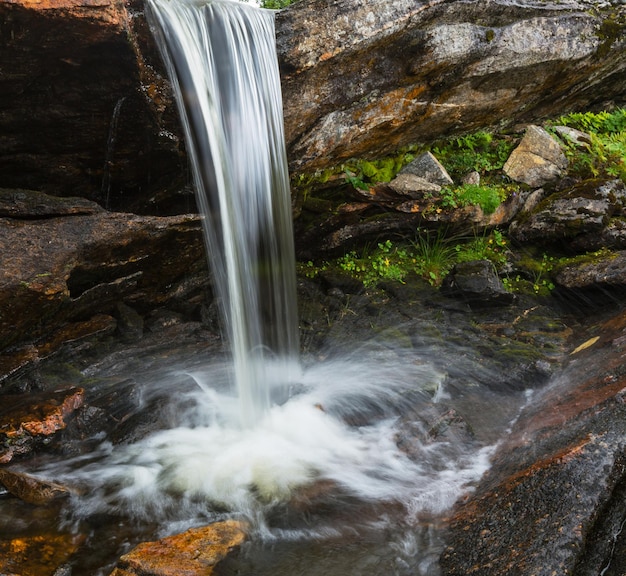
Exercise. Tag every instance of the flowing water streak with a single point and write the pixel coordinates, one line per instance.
(221, 58)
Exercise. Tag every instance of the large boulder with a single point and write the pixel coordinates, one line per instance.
(76, 263)
(87, 109)
(365, 77)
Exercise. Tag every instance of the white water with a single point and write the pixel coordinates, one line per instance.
(206, 465)
(222, 61)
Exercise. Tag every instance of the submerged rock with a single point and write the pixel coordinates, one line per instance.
(195, 552)
(37, 554)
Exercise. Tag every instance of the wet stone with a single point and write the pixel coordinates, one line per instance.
(476, 283)
(195, 552)
(36, 555)
(31, 489)
(26, 421)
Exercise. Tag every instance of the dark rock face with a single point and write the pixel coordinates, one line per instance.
(555, 491)
(75, 117)
(77, 263)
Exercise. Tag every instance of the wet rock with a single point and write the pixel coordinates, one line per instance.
(601, 272)
(30, 204)
(555, 489)
(582, 211)
(196, 552)
(28, 420)
(426, 166)
(537, 160)
(34, 555)
(476, 283)
(31, 489)
(75, 267)
(82, 114)
(130, 323)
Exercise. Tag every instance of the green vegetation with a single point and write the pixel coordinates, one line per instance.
(487, 197)
(481, 152)
(275, 4)
(604, 155)
(429, 254)
(364, 173)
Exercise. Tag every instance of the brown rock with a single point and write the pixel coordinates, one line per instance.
(69, 268)
(195, 552)
(31, 489)
(27, 419)
(36, 555)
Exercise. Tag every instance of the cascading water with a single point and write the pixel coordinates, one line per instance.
(221, 57)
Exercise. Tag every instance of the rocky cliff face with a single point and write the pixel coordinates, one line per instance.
(363, 78)
(86, 109)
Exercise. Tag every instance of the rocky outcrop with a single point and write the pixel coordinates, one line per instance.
(362, 78)
(87, 110)
(75, 265)
(553, 501)
(578, 216)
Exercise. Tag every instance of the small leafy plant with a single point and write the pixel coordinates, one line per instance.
(605, 153)
(481, 152)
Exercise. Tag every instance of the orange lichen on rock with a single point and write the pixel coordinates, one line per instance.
(36, 555)
(193, 553)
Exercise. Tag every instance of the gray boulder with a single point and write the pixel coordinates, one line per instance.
(476, 283)
(537, 160)
(583, 211)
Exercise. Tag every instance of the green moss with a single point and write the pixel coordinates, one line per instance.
(611, 30)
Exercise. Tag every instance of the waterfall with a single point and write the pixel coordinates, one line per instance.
(222, 62)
